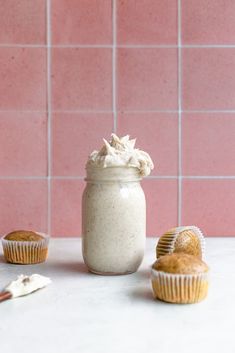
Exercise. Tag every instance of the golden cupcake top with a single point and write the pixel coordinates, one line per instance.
(187, 239)
(180, 263)
(23, 235)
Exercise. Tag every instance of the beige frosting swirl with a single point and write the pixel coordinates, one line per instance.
(121, 152)
(24, 285)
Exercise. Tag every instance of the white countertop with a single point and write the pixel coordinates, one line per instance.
(86, 313)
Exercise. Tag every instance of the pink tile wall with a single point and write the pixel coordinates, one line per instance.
(73, 71)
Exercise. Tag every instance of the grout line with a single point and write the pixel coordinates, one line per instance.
(49, 114)
(24, 111)
(81, 177)
(85, 46)
(172, 46)
(114, 9)
(79, 111)
(194, 177)
(162, 177)
(146, 46)
(222, 177)
(30, 177)
(208, 111)
(82, 111)
(130, 111)
(208, 46)
(179, 118)
(15, 45)
(110, 46)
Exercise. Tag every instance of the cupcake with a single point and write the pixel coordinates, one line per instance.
(188, 240)
(180, 278)
(25, 247)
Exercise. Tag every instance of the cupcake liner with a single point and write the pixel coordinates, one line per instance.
(166, 243)
(25, 252)
(179, 288)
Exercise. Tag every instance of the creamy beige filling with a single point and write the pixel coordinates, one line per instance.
(121, 152)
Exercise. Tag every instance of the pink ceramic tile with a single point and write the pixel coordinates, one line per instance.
(23, 144)
(208, 78)
(23, 22)
(210, 205)
(208, 144)
(82, 78)
(66, 207)
(22, 78)
(83, 22)
(147, 79)
(157, 133)
(161, 198)
(208, 21)
(147, 21)
(23, 205)
(75, 136)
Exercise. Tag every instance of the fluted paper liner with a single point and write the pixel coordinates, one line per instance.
(26, 252)
(179, 288)
(166, 243)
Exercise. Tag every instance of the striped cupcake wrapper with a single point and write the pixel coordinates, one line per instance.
(179, 288)
(166, 243)
(26, 252)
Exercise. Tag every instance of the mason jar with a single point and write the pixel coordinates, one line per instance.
(113, 220)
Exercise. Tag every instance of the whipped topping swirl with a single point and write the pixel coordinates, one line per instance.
(121, 152)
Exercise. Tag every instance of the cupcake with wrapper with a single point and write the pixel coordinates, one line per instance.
(25, 247)
(186, 239)
(180, 278)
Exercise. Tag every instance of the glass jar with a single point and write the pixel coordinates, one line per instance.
(113, 220)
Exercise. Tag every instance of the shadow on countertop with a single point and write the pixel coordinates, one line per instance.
(2, 259)
(142, 293)
(143, 274)
(67, 267)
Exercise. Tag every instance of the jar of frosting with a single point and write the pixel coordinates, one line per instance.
(114, 208)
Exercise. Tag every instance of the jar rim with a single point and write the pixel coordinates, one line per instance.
(113, 173)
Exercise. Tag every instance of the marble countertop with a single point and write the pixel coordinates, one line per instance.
(85, 313)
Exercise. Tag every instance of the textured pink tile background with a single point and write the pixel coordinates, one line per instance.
(73, 71)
